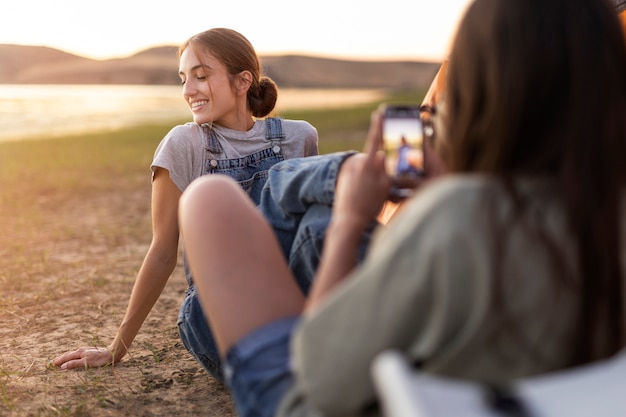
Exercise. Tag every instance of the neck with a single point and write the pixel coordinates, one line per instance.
(242, 122)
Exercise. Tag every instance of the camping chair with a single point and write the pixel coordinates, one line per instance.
(594, 390)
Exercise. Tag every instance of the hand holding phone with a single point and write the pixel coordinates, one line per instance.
(404, 133)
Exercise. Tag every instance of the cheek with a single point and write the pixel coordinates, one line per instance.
(223, 88)
(207, 89)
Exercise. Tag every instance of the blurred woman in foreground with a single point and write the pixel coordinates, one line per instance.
(511, 265)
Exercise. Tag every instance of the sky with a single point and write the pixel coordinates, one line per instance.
(353, 29)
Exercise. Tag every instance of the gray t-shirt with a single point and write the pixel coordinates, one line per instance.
(182, 150)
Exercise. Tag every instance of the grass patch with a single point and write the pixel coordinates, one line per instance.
(72, 160)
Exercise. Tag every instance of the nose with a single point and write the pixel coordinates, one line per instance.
(189, 89)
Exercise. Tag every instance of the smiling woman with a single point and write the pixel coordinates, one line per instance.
(226, 91)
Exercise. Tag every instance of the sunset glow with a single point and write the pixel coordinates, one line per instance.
(394, 29)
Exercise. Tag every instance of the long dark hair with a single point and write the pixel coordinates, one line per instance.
(538, 88)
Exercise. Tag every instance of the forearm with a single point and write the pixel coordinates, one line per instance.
(149, 284)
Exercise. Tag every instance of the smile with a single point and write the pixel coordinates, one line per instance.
(197, 104)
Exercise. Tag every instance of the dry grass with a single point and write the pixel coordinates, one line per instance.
(74, 226)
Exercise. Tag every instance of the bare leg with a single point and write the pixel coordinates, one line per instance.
(240, 273)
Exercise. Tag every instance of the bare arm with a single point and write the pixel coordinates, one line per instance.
(156, 269)
(158, 264)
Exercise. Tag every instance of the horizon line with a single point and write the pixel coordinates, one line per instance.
(320, 55)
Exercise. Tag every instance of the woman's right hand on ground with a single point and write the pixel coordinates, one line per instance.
(84, 357)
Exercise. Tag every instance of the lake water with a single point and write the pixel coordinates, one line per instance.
(55, 110)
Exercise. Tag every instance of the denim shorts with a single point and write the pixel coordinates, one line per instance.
(258, 371)
(196, 334)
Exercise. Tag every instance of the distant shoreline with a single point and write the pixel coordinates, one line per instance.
(53, 111)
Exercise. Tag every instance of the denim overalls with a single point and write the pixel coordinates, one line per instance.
(251, 173)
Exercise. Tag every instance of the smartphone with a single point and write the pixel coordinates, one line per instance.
(403, 137)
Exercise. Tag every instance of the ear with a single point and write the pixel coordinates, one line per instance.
(244, 81)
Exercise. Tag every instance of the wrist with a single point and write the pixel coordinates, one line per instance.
(347, 225)
(344, 234)
(117, 351)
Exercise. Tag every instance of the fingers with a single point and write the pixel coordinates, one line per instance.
(374, 142)
(60, 360)
(78, 363)
(83, 358)
(374, 145)
(362, 187)
(362, 184)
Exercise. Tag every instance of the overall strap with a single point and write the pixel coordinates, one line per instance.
(212, 144)
(274, 129)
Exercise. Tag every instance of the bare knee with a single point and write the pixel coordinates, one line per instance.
(209, 189)
(211, 196)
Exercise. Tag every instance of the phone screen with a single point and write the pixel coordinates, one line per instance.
(403, 138)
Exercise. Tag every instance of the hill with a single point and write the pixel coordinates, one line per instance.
(42, 65)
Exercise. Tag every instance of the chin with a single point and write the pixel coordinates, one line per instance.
(202, 120)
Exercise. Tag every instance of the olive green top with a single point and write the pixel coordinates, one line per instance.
(427, 289)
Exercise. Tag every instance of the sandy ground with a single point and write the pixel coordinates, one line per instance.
(67, 266)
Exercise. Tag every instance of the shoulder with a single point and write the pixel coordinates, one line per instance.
(301, 138)
(450, 194)
(182, 137)
(182, 133)
(300, 127)
(180, 152)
